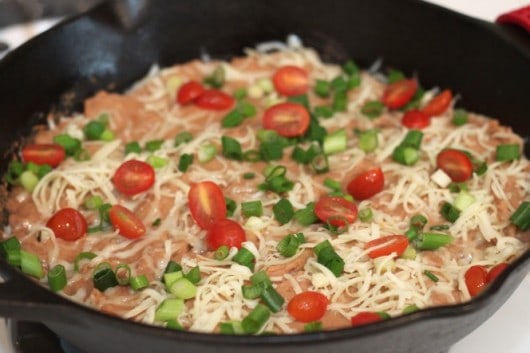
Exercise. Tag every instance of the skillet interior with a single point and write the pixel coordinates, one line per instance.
(115, 44)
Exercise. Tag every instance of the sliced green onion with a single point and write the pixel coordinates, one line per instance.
(315, 326)
(217, 78)
(30, 264)
(521, 217)
(322, 88)
(93, 202)
(82, 256)
(10, 245)
(221, 253)
(459, 117)
(107, 135)
(339, 83)
(252, 208)
(244, 257)
(230, 207)
(194, 275)
(335, 142)
(70, 144)
(449, 212)
(366, 214)
(153, 145)
(431, 276)
(463, 200)
(133, 147)
(395, 75)
(172, 266)
(93, 130)
(171, 277)
(368, 140)
(413, 139)
(231, 328)
(305, 156)
(272, 298)
(206, 152)
(411, 233)
(240, 93)
(14, 170)
(320, 163)
(432, 241)
(138, 282)
(265, 136)
(232, 119)
(289, 245)
(350, 67)
(418, 222)
(231, 148)
(283, 211)
(28, 180)
(372, 109)
(315, 132)
(323, 111)
(174, 325)
(183, 137)
(256, 319)
(340, 101)
(306, 216)
(13, 257)
(301, 99)
(185, 161)
(252, 156)
(261, 277)
(410, 309)
(507, 152)
(57, 278)
(457, 187)
(81, 155)
(246, 109)
(253, 291)
(406, 155)
(183, 288)
(156, 161)
(334, 185)
(415, 101)
(123, 274)
(439, 227)
(270, 151)
(156, 222)
(169, 309)
(409, 253)
(249, 175)
(103, 277)
(327, 256)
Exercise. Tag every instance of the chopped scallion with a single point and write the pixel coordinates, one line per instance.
(366, 214)
(231, 148)
(252, 208)
(30, 264)
(244, 257)
(183, 137)
(28, 180)
(322, 88)
(123, 274)
(368, 140)
(217, 78)
(232, 119)
(256, 319)
(94, 129)
(459, 117)
(327, 256)
(70, 144)
(283, 211)
(230, 207)
(431, 276)
(57, 278)
(82, 256)
(169, 309)
(185, 161)
(335, 142)
(270, 151)
(306, 216)
(183, 288)
(221, 253)
(153, 145)
(372, 109)
(507, 152)
(156, 161)
(288, 246)
(103, 277)
(133, 147)
(315, 326)
(432, 241)
(449, 212)
(521, 217)
(272, 298)
(138, 282)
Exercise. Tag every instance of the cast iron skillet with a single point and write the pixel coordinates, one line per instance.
(115, 44)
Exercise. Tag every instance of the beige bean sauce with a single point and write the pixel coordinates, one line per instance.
(483, 234)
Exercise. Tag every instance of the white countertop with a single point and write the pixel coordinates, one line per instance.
(508, 330)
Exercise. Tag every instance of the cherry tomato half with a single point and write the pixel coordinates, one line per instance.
(336, 211)
(456, 164)
(291, 80)
(68, 224)
(387, 245)
(213, 99)
(308, 306)
(366, 184)
(126, 222)
(439, 104)
(133, 177)
(207, 203)
(44, 153)
(415, 119)
(225, 232)
(287, 119)
(495, 271)
(399, 93)
(189, 92)
(364, 318)
(476, 279)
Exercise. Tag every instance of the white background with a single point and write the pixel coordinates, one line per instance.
(508, 330)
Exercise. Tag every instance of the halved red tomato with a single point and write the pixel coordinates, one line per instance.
(366, 184)
(456, 164)
(476, 279)
(365, 317)
(214, 99)
(207, 203)
(387, 245)
(336, 211)
(495, 271)
(291, 80)
(308, 306)
(44, 153)
(225, 232)
(287, 119)
(68, 224)
(189, 92)
(399, 93)
(439, 104)
(415, 119)
(133, 177)
(126, 222)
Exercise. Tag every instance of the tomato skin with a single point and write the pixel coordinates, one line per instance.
(133, 177)
(308, 306)
(213, 99)
(364, 318)
(207, 203)
(476, 279)
(456, 164)
(287, 119)
(189, 92)
(399, 93)
(366, 184)
(336, 211)
(225, 232)
(439, 104)
(291, 80)
(415, 119)
(396, 244)
(126, 222)
(495, 271)
(44, 153)
(68, 224)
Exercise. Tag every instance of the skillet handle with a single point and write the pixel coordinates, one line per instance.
(22, 298)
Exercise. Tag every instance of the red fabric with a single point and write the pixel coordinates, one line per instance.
(520, 17)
